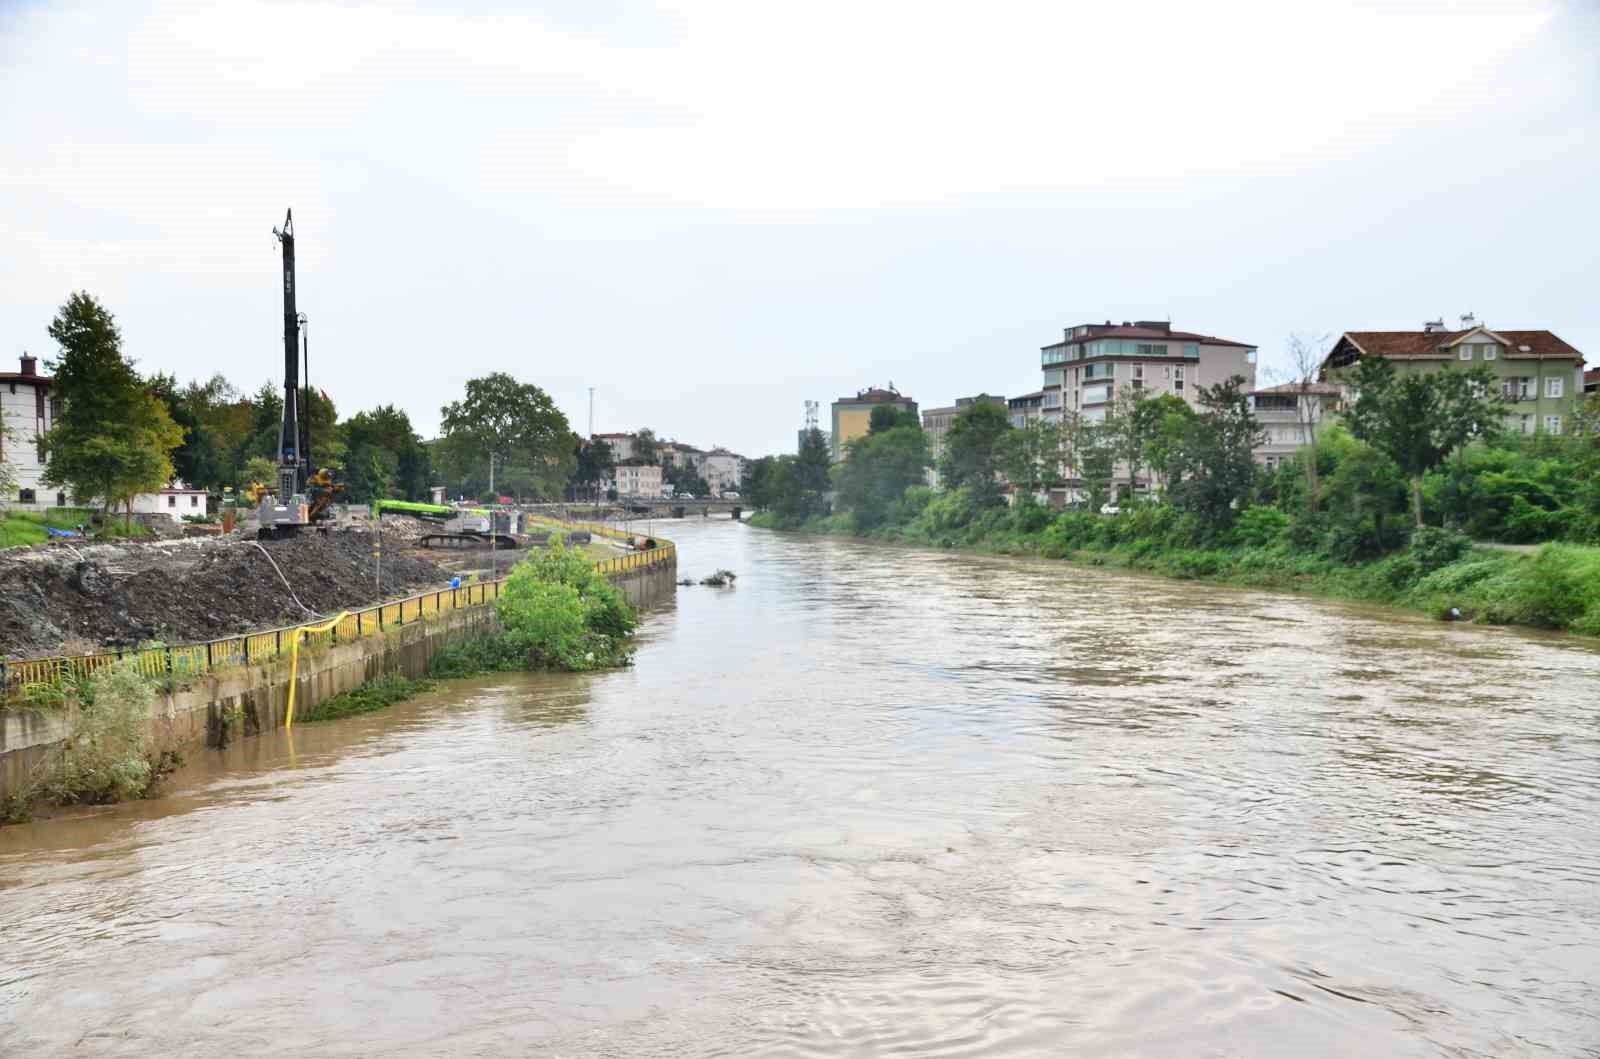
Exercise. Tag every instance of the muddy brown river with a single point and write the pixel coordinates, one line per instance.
(869, 802)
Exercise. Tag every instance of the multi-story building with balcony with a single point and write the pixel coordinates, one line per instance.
(1084, 372)
(1025, 409)
(1539, 375)
(1289, 414)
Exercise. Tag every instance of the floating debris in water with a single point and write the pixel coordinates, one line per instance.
(720, 578)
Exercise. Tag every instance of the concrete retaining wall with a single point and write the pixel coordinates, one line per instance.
(235, 703)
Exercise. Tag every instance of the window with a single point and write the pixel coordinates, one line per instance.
(1191, 350)
(25, 496)
(172, 501)
(1148, 349)
(1552, 424)
(1466, 351)
(1177, 380)
(194, 501)
(1491, 351)
(1553, 388)
(1138, 372)
(61, 500)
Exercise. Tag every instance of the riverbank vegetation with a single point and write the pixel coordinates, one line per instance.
(108, 755)
(1396, 501)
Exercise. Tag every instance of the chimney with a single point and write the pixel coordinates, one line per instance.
(1468, 321)
(30, 365)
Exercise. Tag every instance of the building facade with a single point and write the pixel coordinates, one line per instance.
(1025, 409)
(1538, 374)
(27, 410)
(723, 471)
(936, 423)
(636, 479)
(1289, 414)
(624, 446)
(1591, 381)
(175, 501)
(852, 416)
(1084, 372)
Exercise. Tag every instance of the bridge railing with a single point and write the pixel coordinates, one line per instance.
(44, 677)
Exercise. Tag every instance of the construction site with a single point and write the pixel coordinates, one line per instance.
(78, 598)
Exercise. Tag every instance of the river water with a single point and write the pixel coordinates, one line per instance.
(870, 802)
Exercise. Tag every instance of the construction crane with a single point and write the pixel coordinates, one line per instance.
(302, 497)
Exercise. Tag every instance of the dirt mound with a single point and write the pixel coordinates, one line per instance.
(126, 596)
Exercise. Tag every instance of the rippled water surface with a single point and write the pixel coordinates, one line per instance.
(870, 802)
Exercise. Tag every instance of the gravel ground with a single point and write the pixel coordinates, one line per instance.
(62, 599)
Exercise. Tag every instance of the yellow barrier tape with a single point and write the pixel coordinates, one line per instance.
(294, 658)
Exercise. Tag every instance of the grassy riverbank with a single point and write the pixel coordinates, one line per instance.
(1557, 587)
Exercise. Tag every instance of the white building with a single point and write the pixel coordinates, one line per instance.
(723, 471)
(175, 501)
(636, 480)
(27, 411)
(623, 446)
(1289, 413)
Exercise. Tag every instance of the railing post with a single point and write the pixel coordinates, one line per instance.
(277, 647)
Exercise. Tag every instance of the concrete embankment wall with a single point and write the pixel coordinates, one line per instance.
(217, 708)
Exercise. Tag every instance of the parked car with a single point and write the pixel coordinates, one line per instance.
(685, 496)
(730, 494)
(1110, 509)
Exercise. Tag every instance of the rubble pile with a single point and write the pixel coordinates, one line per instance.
(77, 600)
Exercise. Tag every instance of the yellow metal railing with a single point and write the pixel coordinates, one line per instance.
(180, 661)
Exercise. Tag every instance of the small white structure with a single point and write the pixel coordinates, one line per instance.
(175, 501)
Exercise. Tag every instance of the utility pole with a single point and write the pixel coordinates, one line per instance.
(494, 497)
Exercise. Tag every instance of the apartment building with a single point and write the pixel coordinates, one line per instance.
(1288, 415)
(852, 416)
(624, 446)
(1539, 374)
(1092, 363)
(723, 471)
(635, 478)
(1026, 409)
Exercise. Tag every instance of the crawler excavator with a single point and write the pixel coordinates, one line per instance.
(301, 497)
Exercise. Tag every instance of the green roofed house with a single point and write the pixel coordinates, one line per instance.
(1540, 375)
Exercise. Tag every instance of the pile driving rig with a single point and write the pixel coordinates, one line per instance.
(301, 498)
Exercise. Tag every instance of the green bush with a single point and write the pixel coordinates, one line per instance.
(1258, 526)
(376, 694)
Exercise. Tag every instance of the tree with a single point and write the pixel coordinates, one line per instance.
(1030, 457)
(113, 437)
(1166, 424)
(1214, 469)
(519, 426)
(646, 446)
(878, 469)
(973, 452)
(384, 456)
(887, 417)
(1419, 418)
(1305, 358)
(595, 462)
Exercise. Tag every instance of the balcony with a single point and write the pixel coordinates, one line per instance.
(1050, 356)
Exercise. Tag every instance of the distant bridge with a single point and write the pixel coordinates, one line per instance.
(621, 509)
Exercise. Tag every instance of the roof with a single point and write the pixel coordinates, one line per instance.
(1591, 377)
(874, 395)
(1145, 330)
(1295, 387)
(41, 381)
(1434, 345)
(1023, 399)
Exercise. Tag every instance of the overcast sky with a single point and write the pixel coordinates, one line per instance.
(713, 211)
